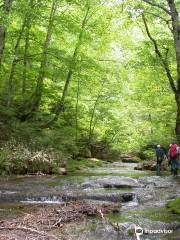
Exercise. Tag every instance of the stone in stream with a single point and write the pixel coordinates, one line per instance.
(62, 171)
(112, 182)
(151, 165)
(109, 197)
(129, 159)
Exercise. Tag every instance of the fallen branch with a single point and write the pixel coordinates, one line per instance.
(58, 223)
(29, 230)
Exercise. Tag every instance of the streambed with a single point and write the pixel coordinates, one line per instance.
(141, 197)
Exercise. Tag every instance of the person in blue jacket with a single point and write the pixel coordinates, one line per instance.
(159, 156)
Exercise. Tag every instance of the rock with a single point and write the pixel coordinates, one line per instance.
(62, 171)
(150, 165)
(109, 197)
(118, 182)
(86, 153)
(129, 159)
(139, 167)
(113, 182)
(93, 159)
(165, 164)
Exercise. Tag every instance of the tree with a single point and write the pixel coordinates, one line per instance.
(174, 82)
(60, 104)
(6, 9)
(37, 95)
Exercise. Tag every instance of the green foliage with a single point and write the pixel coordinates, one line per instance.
(17, 158)
(174, 205)
(82, 164)
(118, 92)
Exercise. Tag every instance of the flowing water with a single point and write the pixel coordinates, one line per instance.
(141, 195)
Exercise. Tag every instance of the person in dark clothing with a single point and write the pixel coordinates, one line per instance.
(174, 153)
(169, 159)
(159, 156)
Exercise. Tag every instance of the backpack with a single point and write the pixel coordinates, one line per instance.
(173, 151)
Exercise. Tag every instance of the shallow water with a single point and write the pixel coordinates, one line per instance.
(142, 197)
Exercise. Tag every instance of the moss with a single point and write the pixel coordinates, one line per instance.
(81, 164)
(158, 214)
(118, 218)
(174, 206)
(55, 184)
(154, 214)
(12, 210)
(86, 173)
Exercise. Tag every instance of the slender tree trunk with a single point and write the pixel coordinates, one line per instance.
(77, 108)
(176, 36)
(6, 9)
(2, 42)
(13, 65)
(60, 105)
(25, 61)
(92, 123)
(36, 99)
(177, 129)
(34, 104)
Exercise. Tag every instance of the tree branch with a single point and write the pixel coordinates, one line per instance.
(164, 62)
(167, 21)
(157, 5)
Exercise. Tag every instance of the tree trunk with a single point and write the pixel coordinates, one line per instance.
(60, 105)
(37, 95)
(176, 35)
(2, 41)
(6, 9)
(91, 125)
(13, 65)
(25, 60)
(77, 108)
(177, 130)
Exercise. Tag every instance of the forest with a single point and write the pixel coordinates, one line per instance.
(78, 73)
(88, 90)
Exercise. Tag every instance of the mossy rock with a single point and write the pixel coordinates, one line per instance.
(152, 165)
(174, 205)
(130, 159)
(85, 153)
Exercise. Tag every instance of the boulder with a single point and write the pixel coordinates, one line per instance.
(112, 182)
(93, 159)
(165, 164)
(62, 171)
(108, 197)
(151, 165)
(129, 158)
(86, 153)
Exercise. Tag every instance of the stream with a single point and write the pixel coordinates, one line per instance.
(140, 195)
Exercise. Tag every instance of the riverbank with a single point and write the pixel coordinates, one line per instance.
(132, 196)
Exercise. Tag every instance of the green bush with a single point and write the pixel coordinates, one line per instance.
(174, 205)
(16, 158)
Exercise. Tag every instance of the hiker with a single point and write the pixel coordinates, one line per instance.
(169, 159)
(177, 160)
(160, 156)
(174, 155)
